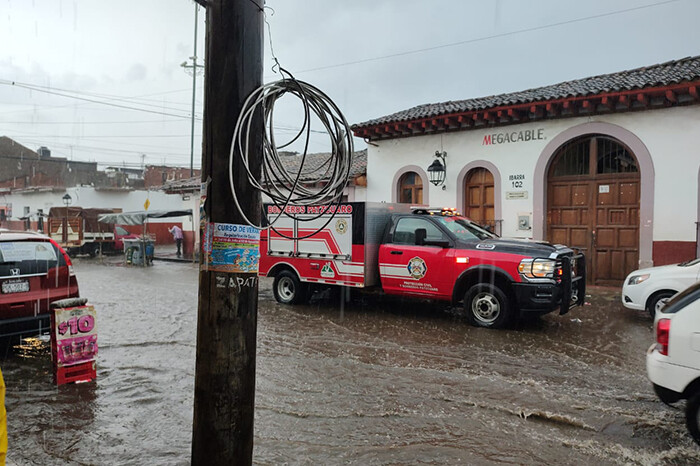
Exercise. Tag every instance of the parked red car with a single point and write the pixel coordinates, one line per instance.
(34, 272)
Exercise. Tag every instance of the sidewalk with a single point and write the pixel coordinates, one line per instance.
(168, 252)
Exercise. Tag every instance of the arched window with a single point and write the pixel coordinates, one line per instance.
(609, 156)
(410, 188)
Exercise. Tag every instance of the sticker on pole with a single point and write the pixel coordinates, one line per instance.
(232, 248)
(76, 335)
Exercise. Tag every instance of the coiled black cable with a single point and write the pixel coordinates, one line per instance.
(320, 186)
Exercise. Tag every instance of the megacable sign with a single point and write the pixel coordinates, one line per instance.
(513, 136)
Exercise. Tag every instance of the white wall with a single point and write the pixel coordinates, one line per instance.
(670, 135)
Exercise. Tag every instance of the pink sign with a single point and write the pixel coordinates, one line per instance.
(76, 335)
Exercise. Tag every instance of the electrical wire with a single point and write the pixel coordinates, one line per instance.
(94, 101)
(96, 148)
(319, 186)
(485, 38)
(129, 122)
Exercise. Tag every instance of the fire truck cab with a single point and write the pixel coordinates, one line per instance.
(423, 253)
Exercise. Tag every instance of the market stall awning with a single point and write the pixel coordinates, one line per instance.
(140, 217)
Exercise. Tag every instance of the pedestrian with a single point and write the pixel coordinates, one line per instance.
(150, 250)
(176, 231)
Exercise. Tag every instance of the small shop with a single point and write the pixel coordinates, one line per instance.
(608, 164)
(141, 250)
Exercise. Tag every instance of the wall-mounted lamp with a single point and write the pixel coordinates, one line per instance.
(67, 200)
(438, 169)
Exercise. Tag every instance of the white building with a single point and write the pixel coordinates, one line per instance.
(608, 164)
(27, 203)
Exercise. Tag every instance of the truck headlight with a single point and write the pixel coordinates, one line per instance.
(537, 268)
(637, 279)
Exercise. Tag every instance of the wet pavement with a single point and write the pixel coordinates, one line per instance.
(381, 382)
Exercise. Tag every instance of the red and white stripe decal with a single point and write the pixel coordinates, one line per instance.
(334, 282)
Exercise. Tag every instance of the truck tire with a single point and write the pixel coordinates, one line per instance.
(487, 306)
(288, 289)
(692, 416)
(93, 249)
(658, 301)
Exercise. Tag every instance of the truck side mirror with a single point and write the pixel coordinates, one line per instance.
(421, 233)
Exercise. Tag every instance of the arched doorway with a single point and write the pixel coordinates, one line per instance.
(479, 197)
(410, 188)
(593, 197)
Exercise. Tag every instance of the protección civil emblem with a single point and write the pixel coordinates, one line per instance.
(341, 226)
(417, 268)
(327, 271)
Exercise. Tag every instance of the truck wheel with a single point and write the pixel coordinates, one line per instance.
(692, 416)
(93, 250)
(288, 289)
(658, 301)
(486, 306)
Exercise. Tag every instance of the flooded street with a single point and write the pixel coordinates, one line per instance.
(382, 382)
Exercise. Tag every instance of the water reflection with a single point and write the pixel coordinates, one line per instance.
(385, 381)
(52, 422)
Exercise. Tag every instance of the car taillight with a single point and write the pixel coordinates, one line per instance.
(663, 329)
(66, 258)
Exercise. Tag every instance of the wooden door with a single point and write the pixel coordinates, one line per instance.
(593, 205)
(479, 197)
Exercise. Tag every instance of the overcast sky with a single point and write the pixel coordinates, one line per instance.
(373, 57)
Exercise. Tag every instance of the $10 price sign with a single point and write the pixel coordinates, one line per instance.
(76, 335)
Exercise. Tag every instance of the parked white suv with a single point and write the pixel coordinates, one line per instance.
(651, 288)
(673, 362)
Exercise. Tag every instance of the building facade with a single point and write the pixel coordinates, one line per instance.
(608, 164)
(21, 209)
(21, 167)
(155, 176)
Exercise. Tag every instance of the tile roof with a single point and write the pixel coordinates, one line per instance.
(314, 164)
(663, 74)
(291, 161)
(183, 185)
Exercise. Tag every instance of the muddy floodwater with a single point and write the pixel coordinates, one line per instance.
(381, 381)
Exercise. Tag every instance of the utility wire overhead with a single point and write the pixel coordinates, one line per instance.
(118, 97)
(42, 142)
(480, 39)
(62, 159)
(120, 136)
(89, 100)
(96, 101)
(178, 120)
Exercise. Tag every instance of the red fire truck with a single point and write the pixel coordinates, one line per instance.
(419, 252)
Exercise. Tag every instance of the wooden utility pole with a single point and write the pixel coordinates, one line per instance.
(225, 372)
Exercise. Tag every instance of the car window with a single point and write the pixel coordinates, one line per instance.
(14, 251)
(405, 231)
(26, 257)
(121, 231)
